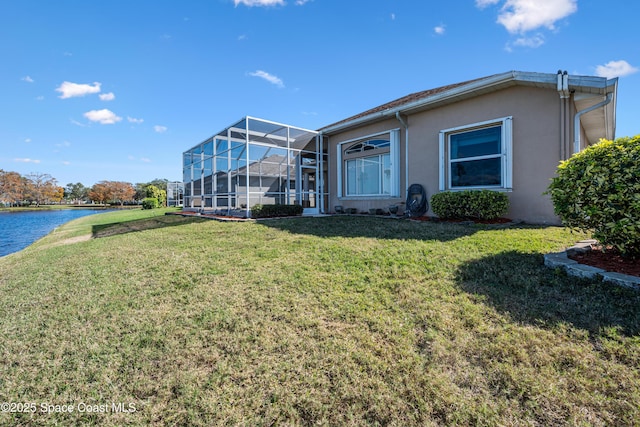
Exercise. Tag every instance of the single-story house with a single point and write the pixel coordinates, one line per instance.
(506, 132)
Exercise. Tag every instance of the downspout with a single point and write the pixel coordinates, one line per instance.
(406, 151)
(576, 124)
(563, 91)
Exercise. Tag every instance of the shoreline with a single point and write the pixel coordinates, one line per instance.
(15, 242)
(64, 207)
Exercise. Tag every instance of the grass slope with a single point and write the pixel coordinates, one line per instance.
(329, 321)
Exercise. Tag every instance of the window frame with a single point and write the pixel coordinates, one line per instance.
(505, 155)
(393, 150)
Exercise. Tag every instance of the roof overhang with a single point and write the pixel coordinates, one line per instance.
(591, 90)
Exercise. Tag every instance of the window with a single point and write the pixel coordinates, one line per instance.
(476, 156)
(368, 166)
(369, 176)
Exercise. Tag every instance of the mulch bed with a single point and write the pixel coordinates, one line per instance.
(609, 260)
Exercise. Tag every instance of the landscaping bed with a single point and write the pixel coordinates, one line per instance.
(609, 260)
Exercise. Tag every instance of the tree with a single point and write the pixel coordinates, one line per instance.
(42, 187)
(158, 194)
(160, 183)
(121, 191)
(76, 192)
(100, 192)
(141, 191)
(115, 191)
(12, 187)
(57, 195)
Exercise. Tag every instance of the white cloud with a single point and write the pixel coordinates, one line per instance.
(134, 120)
(105, 117)
(66, 163)
(252, 3)
(77, 123)
(27, 79)
(27, 140)
(520, 16)
(160, 129)
(393, 16)
(242, 37)
(439, 30)
(484, 3)
(615, 69)
(268, 77)
(27, 160)
(107, 96)
(145, 159)
(64, 144)
(71, 90)
(533, 42)
(40, 98)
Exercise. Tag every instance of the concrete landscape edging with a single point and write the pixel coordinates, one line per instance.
(574, 268)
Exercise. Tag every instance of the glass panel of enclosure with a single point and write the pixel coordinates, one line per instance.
(253, 162)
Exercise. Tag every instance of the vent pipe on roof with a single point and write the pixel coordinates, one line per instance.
(576, 124)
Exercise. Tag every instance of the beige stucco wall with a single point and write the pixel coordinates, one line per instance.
(363, 204)
(536, 147)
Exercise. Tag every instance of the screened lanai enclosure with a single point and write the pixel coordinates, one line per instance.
(253, 162)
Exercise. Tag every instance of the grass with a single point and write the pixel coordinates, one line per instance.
(312, 321)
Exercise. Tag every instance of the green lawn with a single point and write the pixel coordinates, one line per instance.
(312, 321)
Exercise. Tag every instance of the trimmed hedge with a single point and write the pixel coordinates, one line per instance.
(150, 203)
(270, 211)
(470, 204)
(598, 191)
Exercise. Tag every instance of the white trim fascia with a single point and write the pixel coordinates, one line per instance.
(452, 93)
(496, 81)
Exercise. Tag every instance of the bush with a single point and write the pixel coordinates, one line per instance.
(270, 211)
(470, 204)
(150, 203)
(154, 192)
(598, 191)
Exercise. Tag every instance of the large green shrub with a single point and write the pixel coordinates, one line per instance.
(470, 204)
(150, 203)
(154, 192)
(598, 191)
(269, 211)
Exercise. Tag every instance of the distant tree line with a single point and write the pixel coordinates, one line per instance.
(39, 188)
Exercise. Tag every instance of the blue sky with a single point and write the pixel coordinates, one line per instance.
(118, 90)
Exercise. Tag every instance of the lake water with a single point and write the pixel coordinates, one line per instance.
(20, 229)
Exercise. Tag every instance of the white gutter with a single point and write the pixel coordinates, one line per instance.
(406, 151)
(576, 123)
